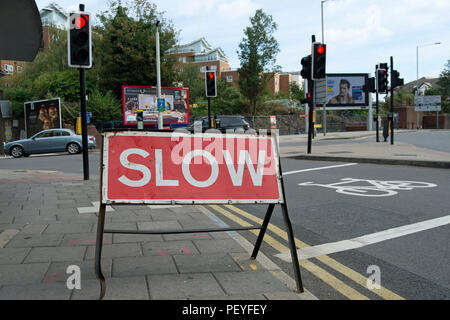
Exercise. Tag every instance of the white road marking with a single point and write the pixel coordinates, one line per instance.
(95, 208)
(7, 235)
(333, 247)
(320, 168)
(375, 188)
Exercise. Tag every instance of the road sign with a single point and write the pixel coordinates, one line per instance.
(427, 103)
(177, 168)
(320, 91)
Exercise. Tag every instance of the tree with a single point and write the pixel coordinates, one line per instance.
(444, 87)
(126, 51)
(257, 55)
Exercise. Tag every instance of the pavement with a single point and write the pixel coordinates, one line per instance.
(48, 223)
(354, 147)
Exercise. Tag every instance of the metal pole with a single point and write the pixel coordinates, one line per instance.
(377, 123)
(392, 102)
(209, 112)
(310, 115)
(84, 139)
(417, 83)
(158, 77)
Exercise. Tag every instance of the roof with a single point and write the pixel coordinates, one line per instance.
(432, 82)
(54, 7)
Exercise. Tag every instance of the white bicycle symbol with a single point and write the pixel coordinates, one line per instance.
(376, 188)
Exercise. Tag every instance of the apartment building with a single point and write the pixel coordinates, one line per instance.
(202, 54)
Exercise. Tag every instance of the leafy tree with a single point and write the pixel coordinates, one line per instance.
(444, 88)
(104, 107)
(190, 77)
(126, 51)
(257, 55)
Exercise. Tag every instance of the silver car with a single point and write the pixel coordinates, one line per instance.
(48, 141)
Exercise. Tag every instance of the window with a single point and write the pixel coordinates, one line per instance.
(182, 59)
(229, 78)
(8, 68)
(203, 69)
(46, 134)
(60, 133)
(19, 69)
(213, 68)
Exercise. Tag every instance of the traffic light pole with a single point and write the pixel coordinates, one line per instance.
(376, 122)
(209, 112)
(84, 123)
(392, 102)
(310, 114)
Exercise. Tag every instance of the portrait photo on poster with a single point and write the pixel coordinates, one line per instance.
(346, 89)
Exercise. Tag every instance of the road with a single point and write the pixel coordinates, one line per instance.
(411, 266)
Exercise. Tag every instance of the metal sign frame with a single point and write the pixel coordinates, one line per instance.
(262, 228)
(27, 134)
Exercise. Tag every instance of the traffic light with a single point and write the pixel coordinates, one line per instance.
(307, 99)
(382, 81)
(79, 40)
(396, 81)
(210, 82)
(306, 67)
(370, 85)
(318, 60)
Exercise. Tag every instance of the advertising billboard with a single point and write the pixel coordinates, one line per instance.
(346, 90)
(41, 115)
(176, 104)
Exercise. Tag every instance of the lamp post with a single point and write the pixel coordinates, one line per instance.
(324, 120)
(158, 77)
(417, 75)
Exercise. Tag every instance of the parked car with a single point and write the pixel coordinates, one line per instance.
(237, 123)
(48, 141)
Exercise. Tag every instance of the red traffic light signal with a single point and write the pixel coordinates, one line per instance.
(79, 43)
(210, 84)
(318, 60)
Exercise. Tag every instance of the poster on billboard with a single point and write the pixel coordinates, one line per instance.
(346, 90)
(176, 104)
(41, 115)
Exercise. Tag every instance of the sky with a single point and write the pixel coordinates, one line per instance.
(359, 33)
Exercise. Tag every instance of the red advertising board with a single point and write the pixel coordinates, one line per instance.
(181, 168)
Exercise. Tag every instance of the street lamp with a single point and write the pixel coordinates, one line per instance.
(158, 77)
(417, 75)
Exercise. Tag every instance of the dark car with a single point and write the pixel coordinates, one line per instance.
(48, 141)
(224, 123)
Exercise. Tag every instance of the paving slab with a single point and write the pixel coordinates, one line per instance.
(218, 245)
(58, 270)
(183, 286)
(19, 274)
(55, 291)
(13, 255)
(205, 263)
(249, 282)
(55, 254)
(169, 248)
(32, 240)
(116, 251)
(129, 288)
(141, 266)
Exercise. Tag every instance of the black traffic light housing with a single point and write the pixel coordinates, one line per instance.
(396, 80)
(79, 40)
(319, 52)
(210, 83)
(306, 67)
(382, 80)
(307, 99)
(370, 86)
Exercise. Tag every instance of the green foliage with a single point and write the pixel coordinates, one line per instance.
(126, 51)
(257, 54)
(104, 107)
(190, 77)
(444, 87)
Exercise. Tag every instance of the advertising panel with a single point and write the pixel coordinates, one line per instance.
(346, 90)
(41, 115)
(181, 168)
(176, 104)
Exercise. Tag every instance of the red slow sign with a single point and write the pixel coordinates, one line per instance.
(156, 167)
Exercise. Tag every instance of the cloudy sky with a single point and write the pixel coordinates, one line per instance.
(359, 33)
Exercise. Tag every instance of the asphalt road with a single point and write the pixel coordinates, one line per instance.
(413, 266)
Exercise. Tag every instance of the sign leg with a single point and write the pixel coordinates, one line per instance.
(263, 230)
(98, 250)
(292, 247)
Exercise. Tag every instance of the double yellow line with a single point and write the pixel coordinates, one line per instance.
(233, 213)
